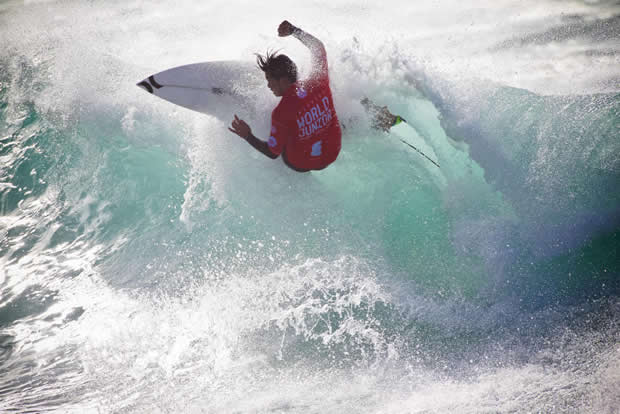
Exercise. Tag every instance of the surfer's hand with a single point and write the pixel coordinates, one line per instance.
(240, 127)
(285, 29)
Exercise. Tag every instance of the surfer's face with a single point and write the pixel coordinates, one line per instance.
(276, 85)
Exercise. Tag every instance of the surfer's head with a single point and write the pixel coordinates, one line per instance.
(280, 71)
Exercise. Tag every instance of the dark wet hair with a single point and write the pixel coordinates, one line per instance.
(277, 66)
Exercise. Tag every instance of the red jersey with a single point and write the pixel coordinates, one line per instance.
(304, 125)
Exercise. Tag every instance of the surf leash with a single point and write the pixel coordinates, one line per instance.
(398, 121)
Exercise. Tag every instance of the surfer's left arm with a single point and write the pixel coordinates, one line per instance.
(241, 128)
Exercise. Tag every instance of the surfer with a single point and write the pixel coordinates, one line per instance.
(304, 126)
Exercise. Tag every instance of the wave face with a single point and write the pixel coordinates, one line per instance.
(153, 262)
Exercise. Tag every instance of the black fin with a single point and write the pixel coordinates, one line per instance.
(146, 86)
(154, 82)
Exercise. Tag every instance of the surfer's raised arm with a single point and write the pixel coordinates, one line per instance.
(317, 49)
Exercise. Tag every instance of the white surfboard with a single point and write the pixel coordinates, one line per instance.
(210, 87)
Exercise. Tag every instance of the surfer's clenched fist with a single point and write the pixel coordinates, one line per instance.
(240, 127)
(285, 29)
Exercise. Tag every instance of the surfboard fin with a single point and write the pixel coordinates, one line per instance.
(146, 86)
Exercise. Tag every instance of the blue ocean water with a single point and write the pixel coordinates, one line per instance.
(152, 262)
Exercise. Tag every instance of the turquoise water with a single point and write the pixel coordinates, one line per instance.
(151, 262)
